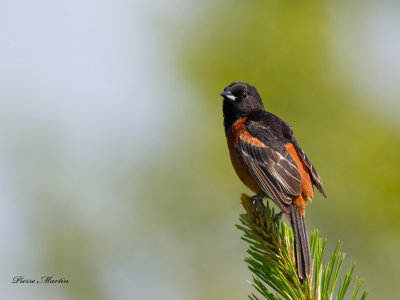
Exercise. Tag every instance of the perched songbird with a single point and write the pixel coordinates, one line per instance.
(268, 159)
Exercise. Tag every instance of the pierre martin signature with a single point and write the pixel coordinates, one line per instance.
(43, 279)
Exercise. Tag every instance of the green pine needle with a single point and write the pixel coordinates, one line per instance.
(273, 265)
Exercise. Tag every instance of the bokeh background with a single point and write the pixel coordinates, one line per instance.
(114, 167)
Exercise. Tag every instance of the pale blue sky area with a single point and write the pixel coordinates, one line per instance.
(367, 43)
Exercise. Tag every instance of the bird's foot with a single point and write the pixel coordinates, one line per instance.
(258, 203)
(258, 197)
(277, 217)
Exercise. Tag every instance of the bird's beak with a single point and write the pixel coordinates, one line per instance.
(228, 95)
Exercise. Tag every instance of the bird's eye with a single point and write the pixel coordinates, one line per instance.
(244, 94)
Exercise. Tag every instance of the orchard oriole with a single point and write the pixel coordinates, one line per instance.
(268, 159)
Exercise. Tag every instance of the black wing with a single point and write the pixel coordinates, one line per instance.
(275, 171)
(276, 133)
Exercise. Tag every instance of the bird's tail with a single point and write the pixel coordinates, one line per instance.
(301, 243)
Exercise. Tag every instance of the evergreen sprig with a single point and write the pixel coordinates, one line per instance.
(272, 260)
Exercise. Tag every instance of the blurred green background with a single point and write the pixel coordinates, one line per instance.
(115, 171)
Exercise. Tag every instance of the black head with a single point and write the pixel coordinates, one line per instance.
(240, 99)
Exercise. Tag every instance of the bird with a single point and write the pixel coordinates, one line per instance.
(268, 159)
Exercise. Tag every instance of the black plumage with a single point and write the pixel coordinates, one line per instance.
(266, 147)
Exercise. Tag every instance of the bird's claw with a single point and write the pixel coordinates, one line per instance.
(258, 197)
(277, 216)
(258, 203)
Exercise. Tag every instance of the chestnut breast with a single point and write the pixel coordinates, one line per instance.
(235, 131)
